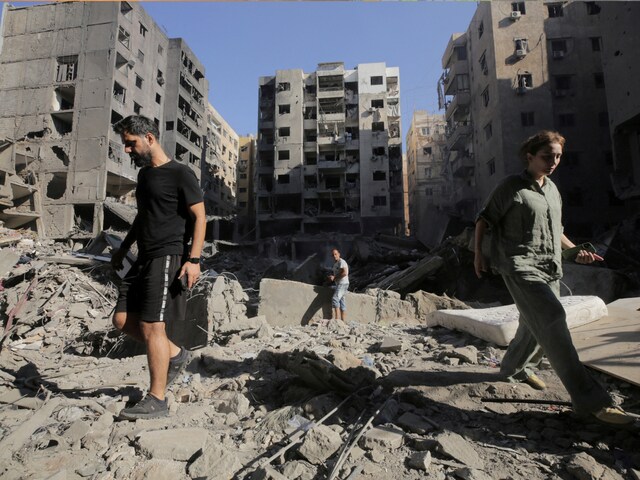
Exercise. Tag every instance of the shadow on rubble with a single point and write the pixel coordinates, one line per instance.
(302, 378)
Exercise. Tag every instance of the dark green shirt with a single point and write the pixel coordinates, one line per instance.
(526, 228)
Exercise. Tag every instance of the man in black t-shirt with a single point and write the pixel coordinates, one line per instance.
(170, 213)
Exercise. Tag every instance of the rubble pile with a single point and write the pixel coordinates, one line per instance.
(259, 400)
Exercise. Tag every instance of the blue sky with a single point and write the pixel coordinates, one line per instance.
(240, 41)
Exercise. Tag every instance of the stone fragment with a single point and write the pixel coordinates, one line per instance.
(241, 324)
(216, 462)
(343, 359)
(299, 470)
(584, 467)
(319, 444)
(76, 431)
(419, 460)
(384, 436)
(413, 423)
(376, 456)
(466, 473)
(390, 344)
(267, 473)
(468, 354)
(232, 402)
(179, 444)
(457, 447)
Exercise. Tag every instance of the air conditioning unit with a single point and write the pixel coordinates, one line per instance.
(558, 54)
(521, 53)
(160, 80)
(131, 62)
(515, 15)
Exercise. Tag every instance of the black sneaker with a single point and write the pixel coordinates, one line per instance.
(177, 365)
(148, 407)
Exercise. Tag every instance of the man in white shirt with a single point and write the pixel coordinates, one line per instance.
(341, 279)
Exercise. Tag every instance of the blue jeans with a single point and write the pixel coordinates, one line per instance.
(338, 296)
(542, 330)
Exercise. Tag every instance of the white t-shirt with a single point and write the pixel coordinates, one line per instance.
(340, 264)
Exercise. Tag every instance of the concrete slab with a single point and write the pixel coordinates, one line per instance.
(611, 343)
(499, 324)
(8, 259)
(285, 302)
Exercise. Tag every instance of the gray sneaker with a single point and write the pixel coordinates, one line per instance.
(148, 407)
(177, 365)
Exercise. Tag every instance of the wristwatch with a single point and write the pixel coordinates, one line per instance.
(195, 260)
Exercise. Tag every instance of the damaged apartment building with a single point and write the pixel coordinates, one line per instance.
(526, 66)
(69, 71)
(427, 187)
(329, 151)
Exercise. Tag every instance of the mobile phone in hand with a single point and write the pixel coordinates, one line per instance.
(572, 253)
(184, 282)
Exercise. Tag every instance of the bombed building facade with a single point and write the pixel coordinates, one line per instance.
(522, 67)
(329, 151)
(69, 71)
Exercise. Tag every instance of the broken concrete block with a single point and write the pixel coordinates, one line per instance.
(215, 462)
(584, 467)
(8, 259)
(457, 447)
(419, 460)
(390, 344)
(467, 473)
(300, 470)
(292, 303)
(319, 444)
(76, 431)
(267, 473)
(499, 324)
(343, 359)
(232, 402)
(426, 302)
(241, 324)
(413, 423)
(384, 436)
(179, 444)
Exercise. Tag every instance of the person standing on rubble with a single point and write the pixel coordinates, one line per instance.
(170, 213)
(524, 214)
(340, 277)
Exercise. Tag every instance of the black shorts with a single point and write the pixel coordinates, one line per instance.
(153, 291)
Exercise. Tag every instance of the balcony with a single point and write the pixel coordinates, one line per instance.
(332, 165)
(457, 135)
(330, 140)
(334, 92)
(458, 106)
(462, 165)
(450, 82)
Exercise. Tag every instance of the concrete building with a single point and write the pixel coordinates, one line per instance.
(522, 67)
(623, 96)
(185, 110)
(70, 70)
(245, 196)
(220, 167)
(426, 184)
(329, 151)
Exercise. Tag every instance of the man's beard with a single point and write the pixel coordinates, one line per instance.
(141, 160)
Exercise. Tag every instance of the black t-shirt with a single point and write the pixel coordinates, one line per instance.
(164, 194)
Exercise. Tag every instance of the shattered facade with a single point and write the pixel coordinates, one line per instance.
(69, 71)
(427, 185)
(185, 112)
(515, 71)
(220, 166)
(246, 204)
(329, 151)
(623, 96)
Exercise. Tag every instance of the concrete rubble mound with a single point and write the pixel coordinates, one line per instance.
(271, 394)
